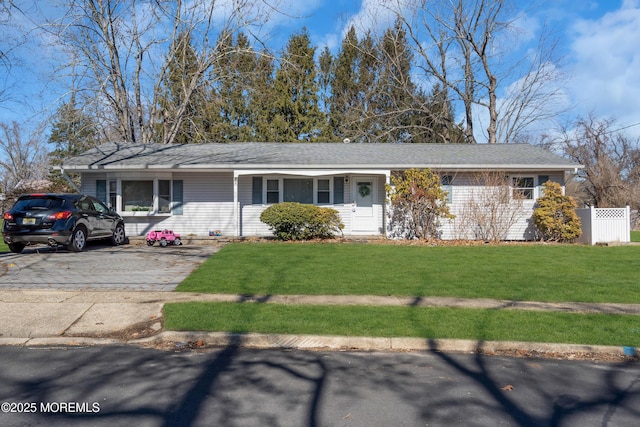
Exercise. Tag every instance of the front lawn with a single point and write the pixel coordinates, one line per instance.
(418, 322)
(528, 272)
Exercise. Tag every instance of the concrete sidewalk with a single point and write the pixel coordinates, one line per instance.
(48, 317)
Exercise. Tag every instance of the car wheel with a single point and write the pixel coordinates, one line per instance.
(163, 242)
(16, 248)
(150, 242)
(177, 242)
(78, 240)
(118, 236)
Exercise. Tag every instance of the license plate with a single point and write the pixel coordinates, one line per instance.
(28, 221)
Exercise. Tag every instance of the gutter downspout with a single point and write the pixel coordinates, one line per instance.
(69, 180)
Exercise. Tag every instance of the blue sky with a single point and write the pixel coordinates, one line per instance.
(599, 43)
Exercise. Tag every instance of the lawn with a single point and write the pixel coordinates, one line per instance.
(527, 272)
(418, 322)
(533, 272)
(635, 236)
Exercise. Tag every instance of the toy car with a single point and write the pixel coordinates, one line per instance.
(164, 237)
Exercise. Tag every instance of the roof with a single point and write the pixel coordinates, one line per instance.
(273, 156)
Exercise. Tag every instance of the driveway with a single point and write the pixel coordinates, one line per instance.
(132, 267)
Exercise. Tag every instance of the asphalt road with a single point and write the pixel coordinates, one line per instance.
(124, 386)
(132, 267)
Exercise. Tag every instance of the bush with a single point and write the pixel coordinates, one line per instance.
(556, 216)
(296, 221)
(418, 202)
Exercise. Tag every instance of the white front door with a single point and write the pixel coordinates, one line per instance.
(363, 210)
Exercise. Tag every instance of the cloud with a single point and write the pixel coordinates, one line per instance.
(607, 64)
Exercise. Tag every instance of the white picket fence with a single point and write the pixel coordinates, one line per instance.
(605, 225)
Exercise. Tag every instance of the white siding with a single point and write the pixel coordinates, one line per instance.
(464, 188)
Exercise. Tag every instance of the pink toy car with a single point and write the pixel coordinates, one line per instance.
(164, 237)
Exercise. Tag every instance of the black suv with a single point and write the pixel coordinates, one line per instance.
(60, 219)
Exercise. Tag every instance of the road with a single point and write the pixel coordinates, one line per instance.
(127, 385)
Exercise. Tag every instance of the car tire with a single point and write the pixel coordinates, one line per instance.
(16, 248)
(177, 242)
(118, 237)
(78, 239)
(163, 242)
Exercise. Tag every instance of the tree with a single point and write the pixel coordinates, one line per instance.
(118, 44)
(611, 174)
(72, 133)
(556, 216)
(296, 115)
(418, 202)
(22, 161)
(182, 68)
(466, 46)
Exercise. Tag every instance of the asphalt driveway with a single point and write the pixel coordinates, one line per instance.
(132, 267)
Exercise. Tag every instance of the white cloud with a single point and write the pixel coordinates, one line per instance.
(607, 64)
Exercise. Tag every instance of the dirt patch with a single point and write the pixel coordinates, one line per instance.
(139, 330)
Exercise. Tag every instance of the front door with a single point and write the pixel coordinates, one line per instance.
(363, 209)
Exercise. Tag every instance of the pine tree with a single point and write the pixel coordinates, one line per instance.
(186, 119)
(297, 115)
(72, 133)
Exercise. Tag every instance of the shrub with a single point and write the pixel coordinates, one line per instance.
(418, 202)
(556, 216)
(296, 221)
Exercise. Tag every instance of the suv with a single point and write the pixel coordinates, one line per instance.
(60, 219)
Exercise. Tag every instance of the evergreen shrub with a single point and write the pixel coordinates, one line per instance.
(556, 216)
(297, 221)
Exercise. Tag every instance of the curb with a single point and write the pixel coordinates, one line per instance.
(342, 343)
(179, 340)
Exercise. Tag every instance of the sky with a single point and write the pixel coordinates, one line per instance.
(598, 43)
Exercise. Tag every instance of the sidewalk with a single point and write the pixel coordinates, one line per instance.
(49, 317)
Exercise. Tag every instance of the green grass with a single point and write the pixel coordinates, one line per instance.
(419, 322)
(635, 236)
(3, 245)
(559, 273)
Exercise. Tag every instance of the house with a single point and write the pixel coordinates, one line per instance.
(197, 189)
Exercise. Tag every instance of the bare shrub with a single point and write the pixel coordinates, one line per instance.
(492, 208)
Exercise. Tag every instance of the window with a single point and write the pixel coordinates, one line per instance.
(164, 196)
(447, 181)
(324, 192)
(101, 190)
(523, 187)
(541, 180)
(298, 190)
(256, 190)
(273, 191)
(177, 198)
(113, 193)
(137, 196)
(338, 190)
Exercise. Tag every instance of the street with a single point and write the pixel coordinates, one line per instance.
(128, 385)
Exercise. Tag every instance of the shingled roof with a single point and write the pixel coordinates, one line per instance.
(254, 155)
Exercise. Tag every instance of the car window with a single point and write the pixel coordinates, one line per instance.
(99, 206)
(35, 203)
(85, 205)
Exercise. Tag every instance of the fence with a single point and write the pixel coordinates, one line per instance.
(604, 225)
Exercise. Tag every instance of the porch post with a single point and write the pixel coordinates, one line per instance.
(236, 207)
(386, 211)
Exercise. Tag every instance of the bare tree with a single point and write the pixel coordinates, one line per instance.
(493, 207)
(22, 161)
(611, 174)
(126, 48)
(464, 45)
